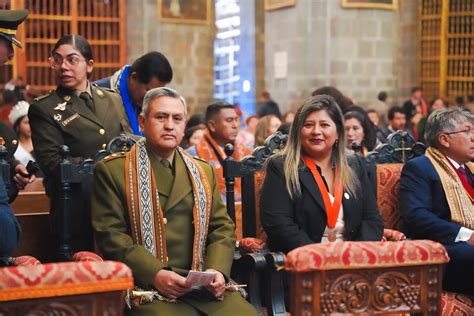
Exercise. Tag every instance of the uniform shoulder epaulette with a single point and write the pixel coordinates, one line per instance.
(104, 88)
(50, 92)
(114, 156)
(200, 159)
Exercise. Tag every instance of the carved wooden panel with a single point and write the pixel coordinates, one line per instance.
(101, 22)
(106, 303)
(370, 291)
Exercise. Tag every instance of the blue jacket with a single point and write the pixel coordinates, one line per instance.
(9, 227)
(424, 206)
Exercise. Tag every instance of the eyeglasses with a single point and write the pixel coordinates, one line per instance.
(467, 131)
(56, 61)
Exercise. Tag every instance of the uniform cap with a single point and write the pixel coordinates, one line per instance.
(9, 22)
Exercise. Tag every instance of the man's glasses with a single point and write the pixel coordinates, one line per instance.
(56, 61)
(467, 131)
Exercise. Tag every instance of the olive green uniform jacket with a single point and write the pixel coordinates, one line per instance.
(62, 118)
(111, 223)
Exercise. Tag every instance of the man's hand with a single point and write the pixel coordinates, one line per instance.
(471, 240)
(217, 286)
(170, 284)
(22, 178)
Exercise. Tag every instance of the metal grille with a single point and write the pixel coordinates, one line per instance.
(101, 22)
(446, 47)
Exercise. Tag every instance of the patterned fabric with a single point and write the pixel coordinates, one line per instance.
(146, 215)
(453, 304)
(388, 181)
(208, 150)
(24, 261)
(459, 201)
(259, 177)
(86, 256)
(356, 255)
(249, 245)
(66, 278)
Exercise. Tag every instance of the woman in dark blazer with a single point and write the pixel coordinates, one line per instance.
(331, 202)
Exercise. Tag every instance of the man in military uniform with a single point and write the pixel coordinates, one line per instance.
(157, 209)
(10, 232)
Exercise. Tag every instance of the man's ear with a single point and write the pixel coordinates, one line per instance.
(141, 122)
(443, 140)
(211, 125)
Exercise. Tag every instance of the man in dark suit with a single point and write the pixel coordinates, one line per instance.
(436, 193)
(267, 106)
(396, 121)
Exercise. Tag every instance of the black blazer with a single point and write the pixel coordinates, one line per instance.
(293, 223)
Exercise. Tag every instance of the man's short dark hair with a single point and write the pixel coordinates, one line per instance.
(415, 89)
(371, 111)
(152, 65)
(214, 108)
(393, 110)
(382, 96)
(459, 100)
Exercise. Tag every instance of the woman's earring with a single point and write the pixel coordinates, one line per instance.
(336, 143)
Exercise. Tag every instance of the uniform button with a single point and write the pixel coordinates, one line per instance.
(101, 131)
(165, 221)
(104, 146)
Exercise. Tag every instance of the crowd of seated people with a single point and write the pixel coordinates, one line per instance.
(314, 190)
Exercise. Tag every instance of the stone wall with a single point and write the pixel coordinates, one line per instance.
(188, 47)
(355, 50)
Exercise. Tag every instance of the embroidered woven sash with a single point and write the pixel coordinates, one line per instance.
(210, 151)
(146, 214)
(460, 204)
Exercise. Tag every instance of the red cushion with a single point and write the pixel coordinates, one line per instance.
(65, 278)
(86, 256)
(250, 244)
(356, 255)
(453, 304)
(25, 261)
(388, 182)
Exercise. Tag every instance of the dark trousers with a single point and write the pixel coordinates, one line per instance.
(459, 273)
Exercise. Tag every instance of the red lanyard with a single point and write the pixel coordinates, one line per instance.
(332, 210)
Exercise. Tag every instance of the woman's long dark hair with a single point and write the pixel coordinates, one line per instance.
(370, 136)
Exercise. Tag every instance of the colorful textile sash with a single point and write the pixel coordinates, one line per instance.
(146, 214)
(460, 204)
(208, 150)
(118, 82)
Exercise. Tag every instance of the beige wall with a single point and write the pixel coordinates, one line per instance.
(359, 51)
(189, 48)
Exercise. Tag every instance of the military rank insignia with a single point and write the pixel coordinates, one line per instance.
(57, 117)
(61, 106)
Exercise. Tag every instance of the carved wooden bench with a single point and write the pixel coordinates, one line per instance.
(68, 288)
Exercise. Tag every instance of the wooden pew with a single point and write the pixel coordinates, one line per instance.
(31, 208)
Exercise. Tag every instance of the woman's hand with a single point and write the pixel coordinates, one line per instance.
(393, 235)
